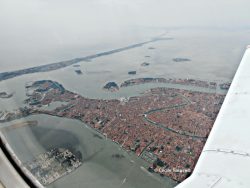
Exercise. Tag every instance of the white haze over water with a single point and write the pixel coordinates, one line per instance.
(35, 32)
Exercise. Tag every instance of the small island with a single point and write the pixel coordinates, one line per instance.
(78, 72)
(138, 81)
(151, 48)
(118, 156)
(5, 95)
(111, 86)
(225, 86)
(197, 83)
(132, 72)
(144, 64)
(181, 59)
(54, 164)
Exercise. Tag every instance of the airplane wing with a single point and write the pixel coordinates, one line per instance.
(225, 159)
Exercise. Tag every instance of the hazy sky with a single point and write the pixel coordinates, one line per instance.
(33, 28)
(123, 12)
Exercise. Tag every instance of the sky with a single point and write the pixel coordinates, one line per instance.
(33, 30)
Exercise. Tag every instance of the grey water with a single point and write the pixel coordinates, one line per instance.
(99, 168)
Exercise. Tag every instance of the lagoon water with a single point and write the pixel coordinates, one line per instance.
(99, 169)
(214, 56)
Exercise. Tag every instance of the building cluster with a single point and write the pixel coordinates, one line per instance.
(195, 118)
(225, 86)
(53, 164)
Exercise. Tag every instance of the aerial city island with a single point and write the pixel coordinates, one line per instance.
(166, 127)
